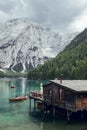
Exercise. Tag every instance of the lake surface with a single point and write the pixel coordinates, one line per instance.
(16, 116)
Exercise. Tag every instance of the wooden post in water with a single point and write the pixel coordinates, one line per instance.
(34, 105)
(45, 108)
(68, 116)
(54, 111)
(30, 105)
(81, 114)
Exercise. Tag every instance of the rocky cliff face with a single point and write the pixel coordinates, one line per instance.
(25, 45)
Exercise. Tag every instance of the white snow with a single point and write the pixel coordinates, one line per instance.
(26, 42)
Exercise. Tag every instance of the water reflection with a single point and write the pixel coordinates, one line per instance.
(23, 85)
(14, 116)
(46, 123)
(4, 88)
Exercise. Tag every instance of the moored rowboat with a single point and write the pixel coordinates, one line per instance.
(18, 98)
(13, 86)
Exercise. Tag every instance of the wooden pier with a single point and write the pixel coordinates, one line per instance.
(37, 96)
(68, 97)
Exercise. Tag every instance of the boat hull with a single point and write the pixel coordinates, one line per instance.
(13, 86)
(18, 99)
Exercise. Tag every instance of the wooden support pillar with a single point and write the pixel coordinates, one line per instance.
(68, 115)
(30, 105)
(45, 108)
(81, 114)
(54, 111)
(34, 105)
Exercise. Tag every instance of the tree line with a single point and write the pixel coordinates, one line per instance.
(71, 63)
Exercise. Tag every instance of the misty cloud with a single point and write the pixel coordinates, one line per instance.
(62, 15)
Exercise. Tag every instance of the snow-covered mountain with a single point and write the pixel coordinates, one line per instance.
(25, 44)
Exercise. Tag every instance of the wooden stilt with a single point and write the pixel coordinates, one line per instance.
(30, 105)
(53, 111)
(81, 115)
(68, 115)
(45, 109)
(34, 105)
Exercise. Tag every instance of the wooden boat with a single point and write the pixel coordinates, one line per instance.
(18, 98)
(13, 86)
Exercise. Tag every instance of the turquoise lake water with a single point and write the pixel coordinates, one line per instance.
(16, 116)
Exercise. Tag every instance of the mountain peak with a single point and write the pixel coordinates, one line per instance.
(26, 21)
(17, 20)
(25, 44)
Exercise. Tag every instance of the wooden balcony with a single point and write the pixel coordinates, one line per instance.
(36, 95)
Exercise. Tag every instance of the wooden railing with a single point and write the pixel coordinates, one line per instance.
(36, 94)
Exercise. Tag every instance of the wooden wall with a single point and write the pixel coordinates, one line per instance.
(70, 100)
(58, 96)
(81, 101)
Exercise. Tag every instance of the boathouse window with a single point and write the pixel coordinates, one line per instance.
(58, 94)
(50, 93)
(61, 93)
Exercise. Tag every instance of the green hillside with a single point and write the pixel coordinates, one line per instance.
(11, 74)
(71, 63)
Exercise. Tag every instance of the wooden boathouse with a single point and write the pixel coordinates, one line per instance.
(69, 96)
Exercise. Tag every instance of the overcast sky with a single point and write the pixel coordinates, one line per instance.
(63, 15)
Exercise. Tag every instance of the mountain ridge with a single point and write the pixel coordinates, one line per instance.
(25, 44)
(71, 63)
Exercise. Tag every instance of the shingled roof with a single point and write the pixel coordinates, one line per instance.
(75, 85)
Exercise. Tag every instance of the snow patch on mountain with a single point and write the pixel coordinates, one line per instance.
(25, 44)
